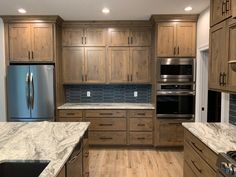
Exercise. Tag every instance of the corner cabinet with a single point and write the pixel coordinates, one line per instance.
(31, 42)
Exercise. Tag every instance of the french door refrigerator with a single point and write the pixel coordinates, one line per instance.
(30, 93)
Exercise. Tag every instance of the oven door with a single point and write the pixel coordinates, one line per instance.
(175, 106)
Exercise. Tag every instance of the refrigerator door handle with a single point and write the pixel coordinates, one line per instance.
(27, 90)
(32, 88)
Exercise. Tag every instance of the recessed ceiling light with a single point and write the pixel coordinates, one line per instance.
(105, 10)
(22, 11)
(189, 8)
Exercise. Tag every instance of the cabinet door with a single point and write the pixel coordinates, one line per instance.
(140, 37)
(140, 64)
(73, 65)
(186, 39)
(119, 37)
(95, 37)
(72, 36)
(19, 42)
(231, 53)
(118, 64)
(233, 8)
(42, 42)
(166, 40)
(95, 64)
(217, 63)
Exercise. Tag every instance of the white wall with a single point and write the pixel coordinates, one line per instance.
(2, 74)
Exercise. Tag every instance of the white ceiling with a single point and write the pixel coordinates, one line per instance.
(91, 9)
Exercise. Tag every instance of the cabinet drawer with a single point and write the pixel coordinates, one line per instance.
(140, 124)
(107, 123)
(140, 113)
(107, 138)
(70, 113)
(69, 119)
(206, 153)
(188, 171)
(105, 113)
(196, 163)
(141, 138)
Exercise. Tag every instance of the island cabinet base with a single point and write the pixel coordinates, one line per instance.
(199, 160)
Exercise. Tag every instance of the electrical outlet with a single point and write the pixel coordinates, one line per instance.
(88, 93)
(135, 94)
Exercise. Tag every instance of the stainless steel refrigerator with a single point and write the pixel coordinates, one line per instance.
(30, 93)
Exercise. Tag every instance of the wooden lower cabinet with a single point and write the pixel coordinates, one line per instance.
(140, 138)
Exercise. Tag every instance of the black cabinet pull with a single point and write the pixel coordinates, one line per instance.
(141, 138)
(131, 77)
(220, 79)
(85, 40)
(141, 114)
(128, 41)
(141, 125)
(178, 50)
(131, 40)
(194, 164)
(128, 77)
(196, 147)
(82, 40)
(223, 8)
(105, 138)
(70, 114)
(105, 125)
(32, 54)
(106, 114)
(228, 5)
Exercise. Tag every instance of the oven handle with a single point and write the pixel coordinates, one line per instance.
(176, 92)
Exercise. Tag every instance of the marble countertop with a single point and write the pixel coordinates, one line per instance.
(107, 106)
(46, 141)
(220, 137)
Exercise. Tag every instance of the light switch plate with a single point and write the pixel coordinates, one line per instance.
(88, 93)
(135, 94)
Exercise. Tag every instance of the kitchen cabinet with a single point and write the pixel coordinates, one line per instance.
(70, 115)
(233, 9)
(221, 10)
(176, 39)
(31, 42)
(83, 65)
(129, 65)
(78, 36)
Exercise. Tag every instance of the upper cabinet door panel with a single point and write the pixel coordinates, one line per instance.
(42, 42)
(19, 42)
(73, 37)
(95, 37)
(140, 37)
(118, 64)
(186, 39)
(73, 65)
(95, 64)
(119, 37)
(139, 64)
(233, 8)
(166, 40)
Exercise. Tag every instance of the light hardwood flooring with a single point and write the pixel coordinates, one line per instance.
(130, 162)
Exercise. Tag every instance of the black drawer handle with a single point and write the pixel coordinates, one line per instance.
(86, 154)
(194, 164)
(106, 114)
(105, 124)
(196, 146)
(141, 114)
(105, 138)
(177, 124)
(141, 125)
(70, 114)
(141, 138)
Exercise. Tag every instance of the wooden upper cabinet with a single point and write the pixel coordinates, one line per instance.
(233, 8)
(118, 65)
(221, 10)
(95, 64)
(95, 37)
(166, 39)
(140, 37)
(42, 42)
(217, 61)
(72, 36)
(73, 65)
(119, 36)
(186, 39)
(31, 42)
(19, 42)
(140, 64)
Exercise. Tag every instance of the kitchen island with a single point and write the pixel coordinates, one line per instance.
(40, 141)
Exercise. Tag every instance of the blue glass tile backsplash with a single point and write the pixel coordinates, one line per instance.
(108, 93)
(232, 109)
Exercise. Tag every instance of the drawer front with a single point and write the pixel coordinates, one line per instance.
(140, 113)
(188, 171)
(107, 124)
(105, 113)
(196, 163)
(206, 153)
(70, 113)
(140, 124)
(69, 119)
(141, 138)
(107, 138)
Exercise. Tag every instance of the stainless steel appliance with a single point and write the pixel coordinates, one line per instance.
(175, 101)
(176, 70)
(226, 164)
(30, 92)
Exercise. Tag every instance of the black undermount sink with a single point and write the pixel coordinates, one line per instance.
(22, 168)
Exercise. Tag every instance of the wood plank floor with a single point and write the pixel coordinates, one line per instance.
(121, 162)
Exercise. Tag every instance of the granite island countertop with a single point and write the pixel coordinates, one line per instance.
(46, 141)
(219, 137)
(107, 106)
